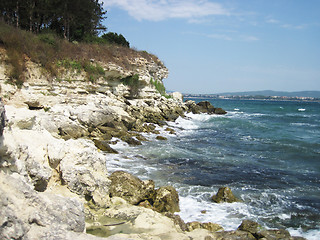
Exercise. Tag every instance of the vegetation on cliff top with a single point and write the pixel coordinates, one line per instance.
(51, 51)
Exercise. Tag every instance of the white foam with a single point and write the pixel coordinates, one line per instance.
(310, 235)
(225, 214)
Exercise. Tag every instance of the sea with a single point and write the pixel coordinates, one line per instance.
(267, 152)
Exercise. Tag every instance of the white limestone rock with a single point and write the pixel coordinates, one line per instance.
(22, 208)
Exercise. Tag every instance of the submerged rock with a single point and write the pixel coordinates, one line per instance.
(224, 195)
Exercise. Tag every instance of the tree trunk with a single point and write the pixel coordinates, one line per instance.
(17, 15)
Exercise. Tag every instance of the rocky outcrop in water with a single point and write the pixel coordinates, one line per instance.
(203, 107)
(224, 195)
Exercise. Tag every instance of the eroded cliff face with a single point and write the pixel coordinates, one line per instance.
(55, 131)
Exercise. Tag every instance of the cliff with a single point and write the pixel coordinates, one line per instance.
(56, 135)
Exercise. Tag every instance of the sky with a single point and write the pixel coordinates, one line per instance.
(215, 46)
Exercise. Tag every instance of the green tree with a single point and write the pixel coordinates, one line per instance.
(72, 19)
(115, 38)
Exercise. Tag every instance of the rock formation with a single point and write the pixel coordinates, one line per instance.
(59, 131)
(224, 195)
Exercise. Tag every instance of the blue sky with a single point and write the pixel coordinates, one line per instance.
(214, 46)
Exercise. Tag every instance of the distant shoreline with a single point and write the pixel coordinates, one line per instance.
(253, 98)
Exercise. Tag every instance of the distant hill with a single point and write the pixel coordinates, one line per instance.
(314, 94)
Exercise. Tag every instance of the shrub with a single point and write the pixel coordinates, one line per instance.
(160, 87)
(133, 83)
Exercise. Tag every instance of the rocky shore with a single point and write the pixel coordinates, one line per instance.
(55, 137)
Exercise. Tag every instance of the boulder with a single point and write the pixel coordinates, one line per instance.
(192, 107)
(234, 235)
(104, 146)
(275, 234)
(224, 195)
(250, 226)
(212, 227)
(22, 209)
(161, 138)
(177, 220)
(130, 188)
(203, 107)
(220, 111)
(177, 96)
(206, 107)
(131, 141)
(166, 199)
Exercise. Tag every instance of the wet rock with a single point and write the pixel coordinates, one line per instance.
(220, 111)
(140, 137)
(224, 195)
(161, 138)
(212, 227)
(130, 188)
(234, 235)
(275, 234)
(206, 107)
(104, 146)
(203, 107)
(166, 200)
(170, 130)
(192, 107)
(250, 226)
(131, 141)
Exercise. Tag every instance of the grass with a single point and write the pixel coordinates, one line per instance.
(160, 87)
(52, 53)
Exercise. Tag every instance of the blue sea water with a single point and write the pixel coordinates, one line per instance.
(267, 152)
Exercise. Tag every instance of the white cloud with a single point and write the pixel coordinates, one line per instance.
(285, 25)
(220, 37)
(163, 9)
(249, 38)
(290, 26)
(271, 20)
